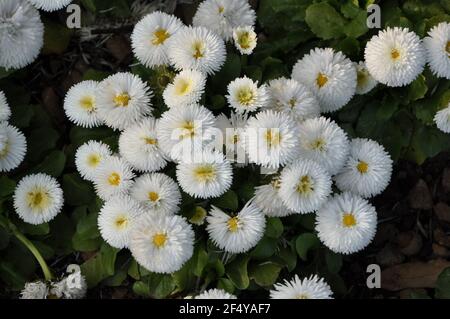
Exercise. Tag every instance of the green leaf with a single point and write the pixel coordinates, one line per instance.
(237, 272)
(443, 285)
(230, 70)
(157, 286)
(100, 266)
(76, 191)
(304, 243)
(225, 284)
(89, 4)
(200, 261)
(229, 200)
(417, 89)
(40, 141)
(289, 256)
(4, 238)
(56, 38)
(265, 274)
(7, 186)
(53, 164)
(21, 115)
(324, 21)
(95, 75)
(357, 26)
(264, 249)
(35, 230)
(334, 261)
(274, 227)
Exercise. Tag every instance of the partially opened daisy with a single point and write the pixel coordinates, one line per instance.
(330, 75)
(236, 233)
(197, 48)
(313, 287)
(208, 176)
(368, 169)
(186, 88)
(162, 243)
(5, 111)
(272, 139)
(183, 130)
(74, 286)
(442, 119)
(117, 218)
(289, 96)
(123, 99)
(244, 95)
(89, 156)
(365, 81)
(304, 186)
(215, 294)
(13, 147)
(157, 192)
(21, 34)
(346, 223)
(395, 57)
(222, 16)
(38, 198)
(245, 39)
(50, 5)
(233, 136)
(324, 142)
(80, 105)
(139, 146)
(113, 177)
(269, 201)
(437, 46)
(34, 290)
(150, 38)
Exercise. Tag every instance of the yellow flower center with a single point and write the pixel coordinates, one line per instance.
(321, 80)
(87, 103)
(292, 103)
(205, 173)
(221, 9)
(150, 141)
(273, 137)
(302, 296)
(362, 167)
(348, 220)
(245, 96)
(160, 36)
(305, 186)
(188, 129)
(199, 216)
(395, 54)
(121, 222)
(153, 196)
(244, 40)
(318, 144)
(93, 160)
(159, 240)
(233, 224)
(122, 99)
(114, 179)
(235, 138)
(276, 183)
(183, 86)
(38, 199)
(198, 50)
(4, 150)
(447, 48)
(361, 78)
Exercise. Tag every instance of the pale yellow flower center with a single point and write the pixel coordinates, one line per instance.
(188, 129)
(362, 167)
(38, 199)
(318, 144)
(159, 240)
(233, 224)
(150, 141)
(122, 99)
(302, 296)
(361, 78)
(121, 222)
(244, 40)
(395, 54)
(4, 150)
(153, 196)
(87, 103)
(160, 36)
(198, 50)
(348, 220)
(221, 9)
(183, 86)
(93, 160)
(205, 173)
(114, 179)
(292, 102)
(321, 80)
(245, 96)
(447, 48)
(305, 186)
(273, 137)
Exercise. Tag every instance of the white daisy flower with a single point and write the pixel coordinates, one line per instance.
(74, 286)
(89, 156)
(13, 147)
(245, 39)
(117, 218)
(269, 201)
(236, 234)
(50, 5)
(122, 100)
(234, 135)
(329, 75)
(139, 146)
(308, 288)
(162, 243)
(38, 198)
(244, 95)
(215, 294)
(210, 176)
(324, 142)
(289, 96)
(197, 48)
(113, 177)
(34, 290)
(437, 46)
(442, 119)
(223, 16)
(186, 88)
(368, 170)
(346, 223)
(395, 57)
(80, 106)
(157, 192)
(365, 81)
(305, 186)
(21, 34)
(150, 38)
(183, 130)
(272, 139)
(5, 111)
